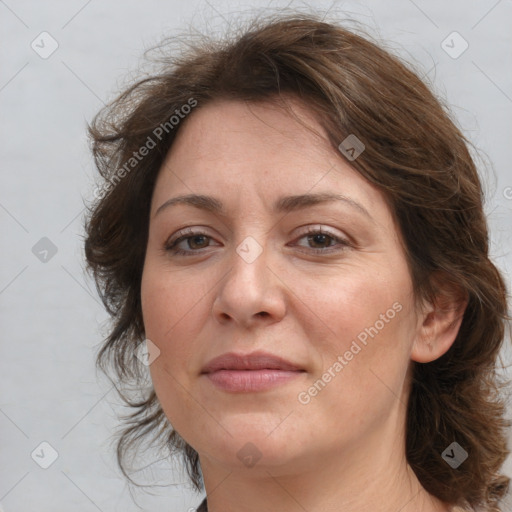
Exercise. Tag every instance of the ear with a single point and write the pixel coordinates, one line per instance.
(439, 322)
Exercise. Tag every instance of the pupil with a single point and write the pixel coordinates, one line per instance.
(323, 237)
(194, 239)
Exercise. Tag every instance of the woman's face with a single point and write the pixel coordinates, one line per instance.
(258, 276)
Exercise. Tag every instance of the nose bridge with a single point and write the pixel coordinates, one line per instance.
(251, 232)
(248, 288)
(249, 266)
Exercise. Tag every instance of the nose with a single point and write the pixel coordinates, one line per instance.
(251, 292)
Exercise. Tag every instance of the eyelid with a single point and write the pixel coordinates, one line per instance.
(342, 241)
(195, 230)
(190, 231)
(319, 228)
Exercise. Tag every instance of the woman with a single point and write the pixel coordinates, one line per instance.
(292, 227)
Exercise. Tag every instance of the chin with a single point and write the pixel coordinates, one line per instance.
(252, 445)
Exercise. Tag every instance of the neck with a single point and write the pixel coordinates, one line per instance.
(375, 476)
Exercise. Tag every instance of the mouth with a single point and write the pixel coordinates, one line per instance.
(250, 362)
(257, 371)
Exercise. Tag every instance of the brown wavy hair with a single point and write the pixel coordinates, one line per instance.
(415, 154)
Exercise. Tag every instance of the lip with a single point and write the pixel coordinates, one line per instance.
(253, 361)
(257, 371)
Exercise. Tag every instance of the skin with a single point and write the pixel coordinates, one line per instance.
(344, 449)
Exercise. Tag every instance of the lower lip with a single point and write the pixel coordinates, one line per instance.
(251, 380)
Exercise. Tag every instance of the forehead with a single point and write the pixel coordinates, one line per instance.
(259, 150)
(233, 128)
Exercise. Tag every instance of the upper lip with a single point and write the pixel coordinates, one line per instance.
(252, 361)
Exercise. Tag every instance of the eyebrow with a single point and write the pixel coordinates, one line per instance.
(283, 204)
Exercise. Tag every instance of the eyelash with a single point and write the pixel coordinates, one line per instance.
(170, 246)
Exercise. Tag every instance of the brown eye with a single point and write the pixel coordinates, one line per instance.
(193, 241)
(320, 238)
(317, 237)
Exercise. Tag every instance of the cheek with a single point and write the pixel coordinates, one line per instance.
(174, 312)
(365, 328)
(169, 300)
(164, 313)
(358, 303)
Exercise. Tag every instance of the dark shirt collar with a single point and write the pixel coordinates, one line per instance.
(202, 507)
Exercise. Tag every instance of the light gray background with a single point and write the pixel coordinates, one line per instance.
(51, 319)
